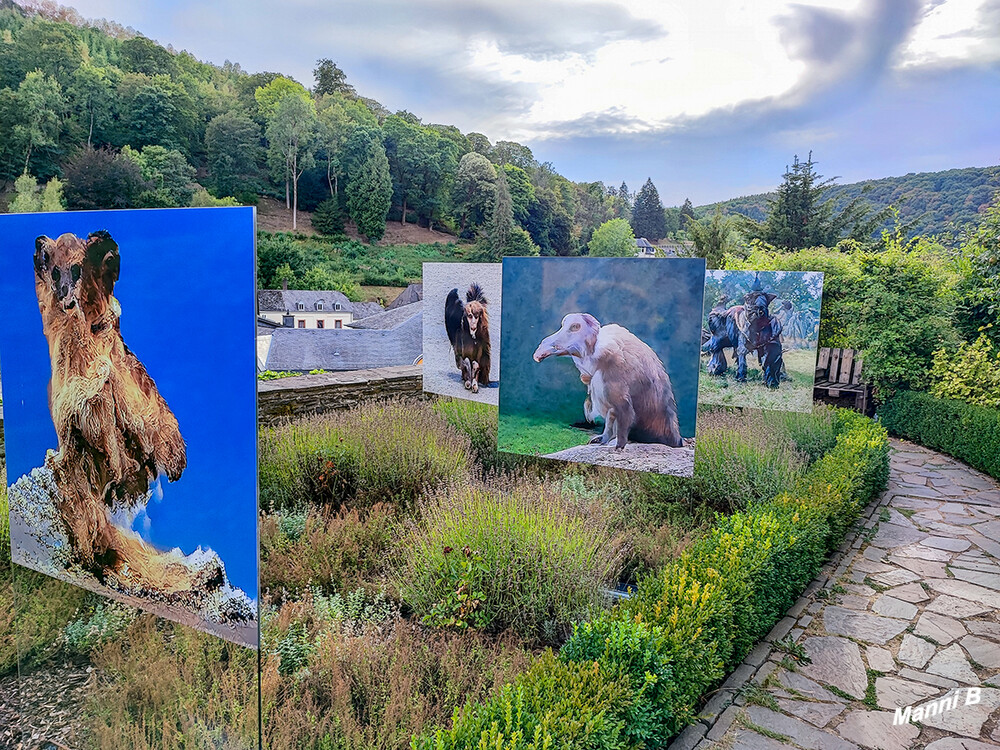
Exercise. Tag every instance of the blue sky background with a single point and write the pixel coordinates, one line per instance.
(710, 99)
(187, 296)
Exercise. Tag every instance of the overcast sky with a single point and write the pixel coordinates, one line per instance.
(711, 99)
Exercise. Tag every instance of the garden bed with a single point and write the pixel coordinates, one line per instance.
(418, 586)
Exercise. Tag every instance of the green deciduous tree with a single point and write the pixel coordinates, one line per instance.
(369, 191)
(52, 196)
(41, 104)
(142, 55)
(100, 178)
(291, 132)
(511, 152)
(713, 237)
(647, 214)
(90, 94)
(479, 143)
(283, 276)
(232, 141)
(522, 192)
(170, 177)
(270, 95)
(330, 79)
(26, 199)
(474, 190)
(613, 238)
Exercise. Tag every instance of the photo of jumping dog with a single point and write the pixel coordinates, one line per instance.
(631, 329)
(461, 330)
(125, 478)
(751, 315)
(468, 326)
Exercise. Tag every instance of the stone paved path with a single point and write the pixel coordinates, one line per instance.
(909, 614)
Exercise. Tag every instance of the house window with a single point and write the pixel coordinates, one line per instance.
(288, 321)
(300, 306)
(319, 305)
(337, 306)
(302, 323)
(320, 324)
(338, 324)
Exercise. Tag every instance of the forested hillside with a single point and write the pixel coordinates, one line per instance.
(931, 203)
(94, 115)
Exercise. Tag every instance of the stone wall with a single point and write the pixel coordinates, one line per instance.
(313, 394)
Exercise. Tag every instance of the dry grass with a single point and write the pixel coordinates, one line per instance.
(388, 451)
(166, 686)
(375, 694)
(333, 551)
(541, 560)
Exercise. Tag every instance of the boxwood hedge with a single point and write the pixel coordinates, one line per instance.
(637, 673)
(968, 432)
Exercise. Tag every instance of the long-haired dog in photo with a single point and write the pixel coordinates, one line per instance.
(116, 433)
(468, 327)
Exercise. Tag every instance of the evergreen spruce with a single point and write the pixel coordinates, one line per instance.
(369, 192)
(648, 219)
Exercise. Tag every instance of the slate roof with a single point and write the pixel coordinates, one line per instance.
(412, 293)
(287, 300)
(390, 317)
(364, 309)
(265, 326)
(305, 349)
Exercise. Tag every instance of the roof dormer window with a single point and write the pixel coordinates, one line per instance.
(337, 306)
(300, 306)
(319, 305)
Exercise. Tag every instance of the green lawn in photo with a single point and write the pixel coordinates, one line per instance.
(538, 435)
(793, 395)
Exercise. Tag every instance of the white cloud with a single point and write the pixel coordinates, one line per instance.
(544, 69)
(954, 32)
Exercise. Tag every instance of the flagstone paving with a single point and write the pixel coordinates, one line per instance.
(909, 613)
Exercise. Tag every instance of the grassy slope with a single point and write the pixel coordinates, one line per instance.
(792, 396)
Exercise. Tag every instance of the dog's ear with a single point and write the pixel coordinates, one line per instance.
(43, 255)
(102, 254)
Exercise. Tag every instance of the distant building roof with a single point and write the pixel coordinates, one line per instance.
(412, 293)
(364, 309)
(265, 326)
(643, 243)
(288, 300)
(390, 317)
(305, 349)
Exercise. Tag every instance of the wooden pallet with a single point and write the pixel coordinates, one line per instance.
(838, 373)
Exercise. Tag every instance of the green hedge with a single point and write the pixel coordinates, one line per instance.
(967, 432)
(691, 623)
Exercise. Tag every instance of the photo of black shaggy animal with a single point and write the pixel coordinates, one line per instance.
(746, 328)
(468, 327)
(627, 385)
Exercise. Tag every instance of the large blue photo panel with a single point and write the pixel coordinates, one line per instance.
(129, 386)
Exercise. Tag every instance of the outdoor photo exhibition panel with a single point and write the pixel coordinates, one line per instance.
(129, 396)
(761, 332)
(601, 360)
(461, 330)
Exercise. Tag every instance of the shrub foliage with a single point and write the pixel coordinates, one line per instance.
(968, 432)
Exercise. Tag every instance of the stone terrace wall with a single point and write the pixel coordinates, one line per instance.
(312, 394)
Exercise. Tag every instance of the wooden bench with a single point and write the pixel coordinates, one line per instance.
(838, 373)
